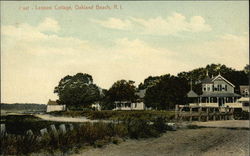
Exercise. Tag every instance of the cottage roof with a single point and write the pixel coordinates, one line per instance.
(212, 94)
(207, 80)
(191, 94)
(50, 102)
(221, 77)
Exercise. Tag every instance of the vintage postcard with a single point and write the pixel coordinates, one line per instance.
(118, 78)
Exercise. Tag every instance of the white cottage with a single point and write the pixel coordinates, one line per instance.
(128, 105)
(217, 92)
(54, 106)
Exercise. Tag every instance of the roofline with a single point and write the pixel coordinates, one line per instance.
(223, 79)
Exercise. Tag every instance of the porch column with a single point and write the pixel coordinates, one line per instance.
(208, 99)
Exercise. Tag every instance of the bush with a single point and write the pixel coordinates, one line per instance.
(17, 144)
(140, 128)
(241, 115)
(133, 125)
(160, 124)
(117, 115)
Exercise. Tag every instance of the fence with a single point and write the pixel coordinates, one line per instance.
(200, 113)
(52, 129)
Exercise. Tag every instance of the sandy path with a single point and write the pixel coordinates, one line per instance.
(224, 123)
(183, 142)
(64, 119)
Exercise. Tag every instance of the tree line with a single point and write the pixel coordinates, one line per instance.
(162, 92)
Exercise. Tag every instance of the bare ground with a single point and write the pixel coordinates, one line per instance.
(183, 142)
(224, 124)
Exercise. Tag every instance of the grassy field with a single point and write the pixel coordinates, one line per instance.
(117, 115)
(134, 125)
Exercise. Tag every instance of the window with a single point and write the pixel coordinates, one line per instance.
(222, 87)
(219, 87)
(225, 87)
(215, 87)
(204, 88)
(246, 92)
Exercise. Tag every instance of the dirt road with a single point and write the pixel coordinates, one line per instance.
(183, 142)
(224, 124)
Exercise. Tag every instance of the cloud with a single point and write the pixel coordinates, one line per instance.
(33, 60)
(228, 49)
(170, 25)
(114, 23)
(49, 24)
(34, 40)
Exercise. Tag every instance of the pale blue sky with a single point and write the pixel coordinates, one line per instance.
(141, 39)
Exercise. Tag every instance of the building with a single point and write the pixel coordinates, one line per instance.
(96, 106)
(128, 105)
(54, 106)
(244, 90)
(245, 99)
(216, 92)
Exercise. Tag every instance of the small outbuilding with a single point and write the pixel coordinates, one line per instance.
(54, 106)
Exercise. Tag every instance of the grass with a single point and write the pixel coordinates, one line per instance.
(88, 134)
(117, 115)
(19, 124)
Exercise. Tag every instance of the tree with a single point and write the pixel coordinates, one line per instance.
(197, 75)
(121, 90)
(77, 91)
(168, 92)
(149, 82)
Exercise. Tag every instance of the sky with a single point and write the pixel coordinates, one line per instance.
(41, 42)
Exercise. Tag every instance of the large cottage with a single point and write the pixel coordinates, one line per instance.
(216, 92)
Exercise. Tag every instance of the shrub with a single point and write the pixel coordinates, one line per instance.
(17, 144)
(160, 124)
(133, 124)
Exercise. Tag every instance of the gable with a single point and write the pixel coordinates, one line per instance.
(221, 78)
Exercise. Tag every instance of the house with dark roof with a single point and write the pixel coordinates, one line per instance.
(216, 92)
(54, 106)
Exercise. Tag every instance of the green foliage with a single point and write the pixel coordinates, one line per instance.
(18, 145)
(163, 92)
(168, 92)
(234, 76)
(241, 115)
(117, 115)
(95, 134)
(19, 124)
(149, 82)
(121, 90)
(159, 124)
(77, 90)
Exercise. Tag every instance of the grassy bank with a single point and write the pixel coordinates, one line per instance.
(87, 134)
(19, 124)
(117, 115)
